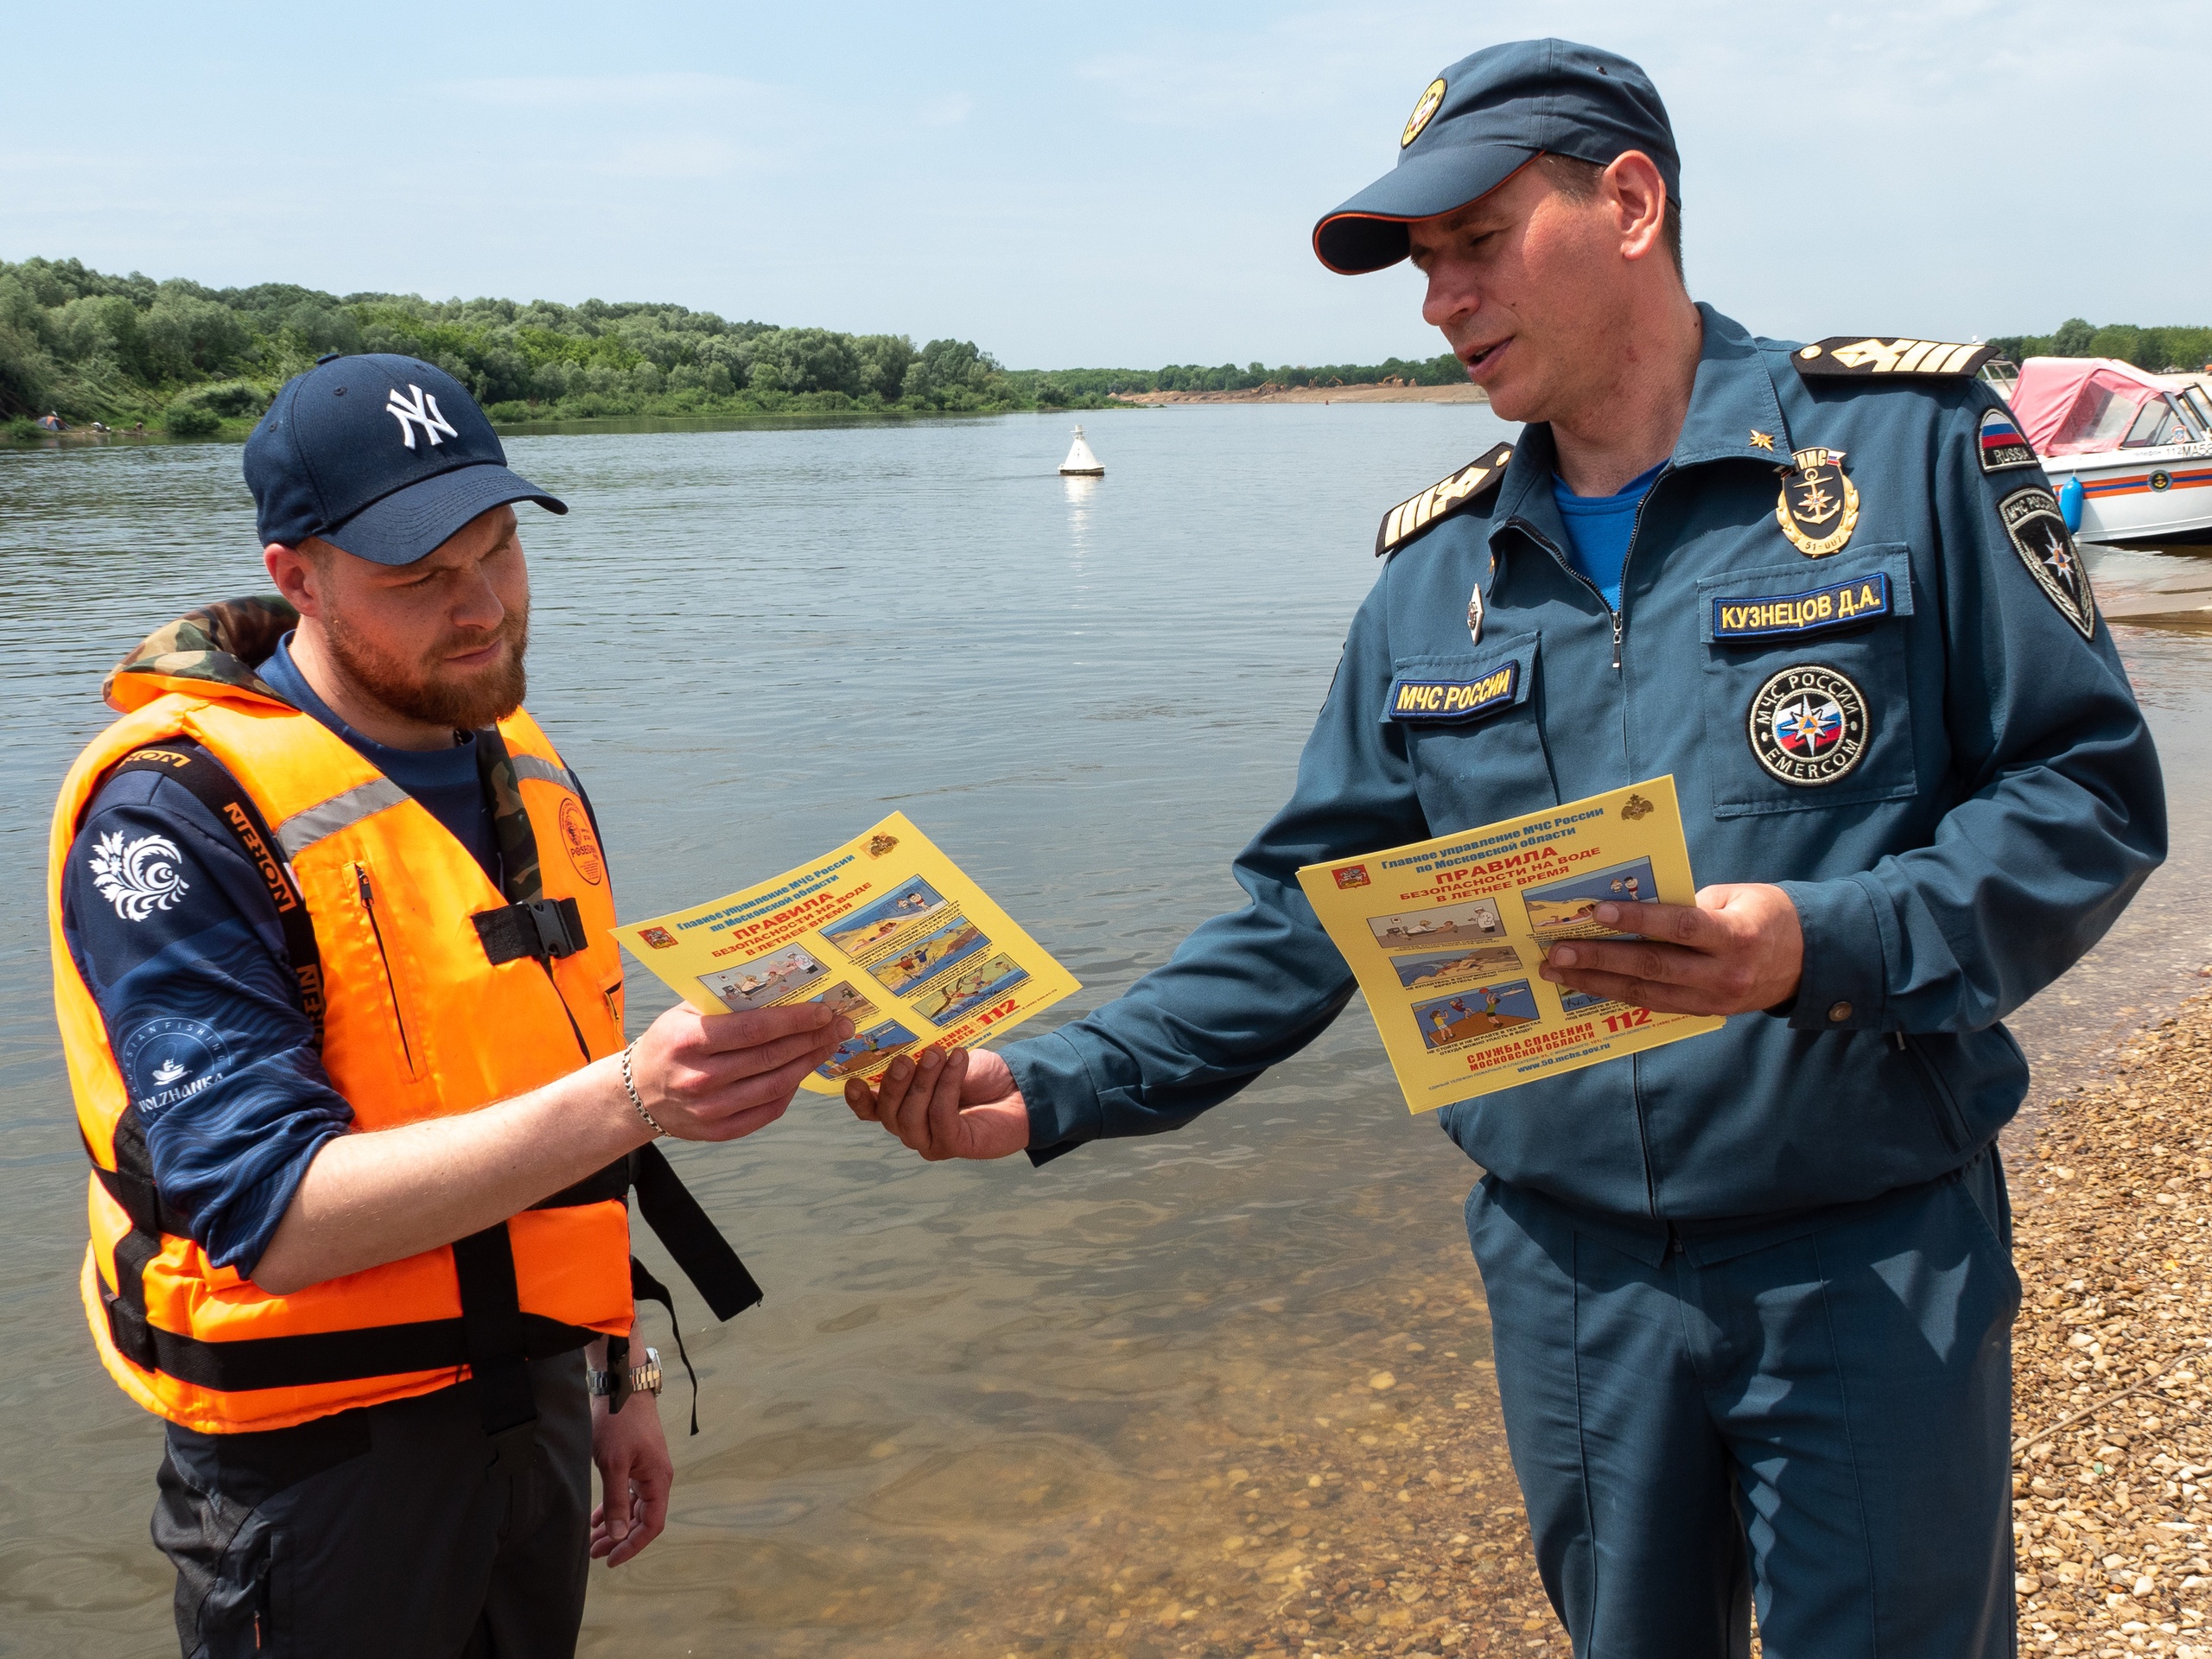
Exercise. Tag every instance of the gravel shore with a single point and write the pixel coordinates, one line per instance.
(2112, 1411)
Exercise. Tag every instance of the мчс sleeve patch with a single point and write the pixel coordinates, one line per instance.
(2039, 534)
(1411, 516)
(1421, 697)
(1844, 357)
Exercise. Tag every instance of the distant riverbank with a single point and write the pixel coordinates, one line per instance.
(1372, 392)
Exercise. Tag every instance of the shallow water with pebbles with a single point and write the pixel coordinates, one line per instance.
(1222, 1392)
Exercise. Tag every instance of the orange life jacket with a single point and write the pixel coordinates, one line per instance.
(436, 996)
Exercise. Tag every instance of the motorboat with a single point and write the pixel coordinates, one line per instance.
(2129, 453)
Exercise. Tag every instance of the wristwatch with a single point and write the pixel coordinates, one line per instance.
(620, 1385)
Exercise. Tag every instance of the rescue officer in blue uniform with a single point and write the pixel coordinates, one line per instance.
(1751, 1293)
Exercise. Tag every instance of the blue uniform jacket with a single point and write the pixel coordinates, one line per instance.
(2005, 807)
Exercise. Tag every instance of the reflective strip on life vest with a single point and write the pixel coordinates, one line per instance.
(302, 829)
(528, 765)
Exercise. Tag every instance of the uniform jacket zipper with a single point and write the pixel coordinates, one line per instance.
(398, 1018)
(1619, 614)
(1950, 1122)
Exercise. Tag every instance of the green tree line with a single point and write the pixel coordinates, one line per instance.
(192, 358)
(197, 360)
(2161, 350)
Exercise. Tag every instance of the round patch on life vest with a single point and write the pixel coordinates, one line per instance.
(1431, 97)
(582, 846)
(1808, 725)
(1819, 507)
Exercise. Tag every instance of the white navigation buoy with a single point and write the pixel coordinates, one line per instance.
(1080, 463)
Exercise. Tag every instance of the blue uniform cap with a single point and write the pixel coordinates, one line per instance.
(381, 455)
(1485, 119)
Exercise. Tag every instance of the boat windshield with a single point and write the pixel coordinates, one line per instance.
(2158, 422)
(2200, 406)
(2099, 419)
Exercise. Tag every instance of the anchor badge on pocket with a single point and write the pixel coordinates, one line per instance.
(1819, 506)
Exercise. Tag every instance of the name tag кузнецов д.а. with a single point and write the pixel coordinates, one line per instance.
(1838, 605)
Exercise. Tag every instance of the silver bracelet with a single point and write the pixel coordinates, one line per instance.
(634, 1099)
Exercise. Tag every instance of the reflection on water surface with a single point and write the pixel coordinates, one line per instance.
(1197, 1393)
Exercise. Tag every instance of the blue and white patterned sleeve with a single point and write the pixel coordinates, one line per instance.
(174, 934)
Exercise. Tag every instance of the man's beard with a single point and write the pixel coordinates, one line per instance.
(419, 693)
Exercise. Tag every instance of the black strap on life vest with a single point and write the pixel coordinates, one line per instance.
(211, 785)
(493, 1336)
(547, 928)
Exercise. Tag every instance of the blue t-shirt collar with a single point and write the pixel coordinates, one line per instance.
(413, 770)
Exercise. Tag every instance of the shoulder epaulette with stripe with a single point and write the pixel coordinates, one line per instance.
(1847, 357)
(1408, 518)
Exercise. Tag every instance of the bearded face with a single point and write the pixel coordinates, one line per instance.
(437, 644)
(428, 688)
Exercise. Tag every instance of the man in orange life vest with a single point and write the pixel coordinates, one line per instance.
(344, 1025)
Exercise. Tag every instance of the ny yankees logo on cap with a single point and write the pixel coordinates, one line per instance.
(322, 462)
(422, 411)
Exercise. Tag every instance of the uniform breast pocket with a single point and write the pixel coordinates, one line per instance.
(1473, 728)
(1805, 683)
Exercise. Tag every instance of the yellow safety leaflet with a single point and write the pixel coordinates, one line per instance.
(1446, 936)
(886, 930)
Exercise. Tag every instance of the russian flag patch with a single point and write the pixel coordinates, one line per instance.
(2003, 445)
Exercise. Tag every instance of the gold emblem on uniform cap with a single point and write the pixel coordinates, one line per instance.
(1819, 507)
(1762, 440)
(1422, 111)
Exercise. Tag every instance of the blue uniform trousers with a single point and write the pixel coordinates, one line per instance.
(1819, 1415)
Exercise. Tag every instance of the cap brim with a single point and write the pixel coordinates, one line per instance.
(1369, 231)
(413, 522)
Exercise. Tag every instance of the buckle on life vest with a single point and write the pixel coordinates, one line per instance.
(545, 928)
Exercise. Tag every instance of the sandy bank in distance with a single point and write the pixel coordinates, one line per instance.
(1379, 392)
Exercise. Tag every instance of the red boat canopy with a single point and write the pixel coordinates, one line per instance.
(2078, 405)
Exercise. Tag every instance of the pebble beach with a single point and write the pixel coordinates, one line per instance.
(2112, 1408)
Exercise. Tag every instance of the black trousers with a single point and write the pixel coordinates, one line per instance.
(388, 1530)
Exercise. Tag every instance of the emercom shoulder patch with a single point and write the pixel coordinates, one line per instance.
(2038, 533)
(1848, 357)
(1446, 496)
(1839, 605)
(1416, 697)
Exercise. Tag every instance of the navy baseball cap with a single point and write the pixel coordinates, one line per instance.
(1485, 119)
(381, 455)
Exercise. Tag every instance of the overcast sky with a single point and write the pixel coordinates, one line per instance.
(1095, 181)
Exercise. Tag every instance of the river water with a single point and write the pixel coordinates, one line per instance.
(1122, 1404)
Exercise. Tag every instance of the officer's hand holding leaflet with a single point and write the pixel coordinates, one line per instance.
(959, 1105)
(1739, 949)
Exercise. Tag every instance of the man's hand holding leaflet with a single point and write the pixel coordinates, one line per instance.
(369, 1199)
